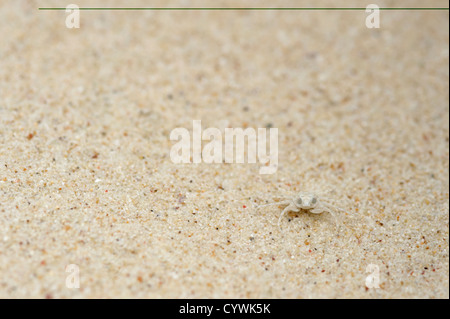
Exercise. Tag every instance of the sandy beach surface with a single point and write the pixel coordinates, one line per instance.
(88, 189)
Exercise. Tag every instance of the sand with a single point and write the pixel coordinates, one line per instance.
(86, 178)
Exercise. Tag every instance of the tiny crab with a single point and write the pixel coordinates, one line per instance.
(308, 202)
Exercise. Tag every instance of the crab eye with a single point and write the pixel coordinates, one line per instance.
(299, 202)
(314, 201)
